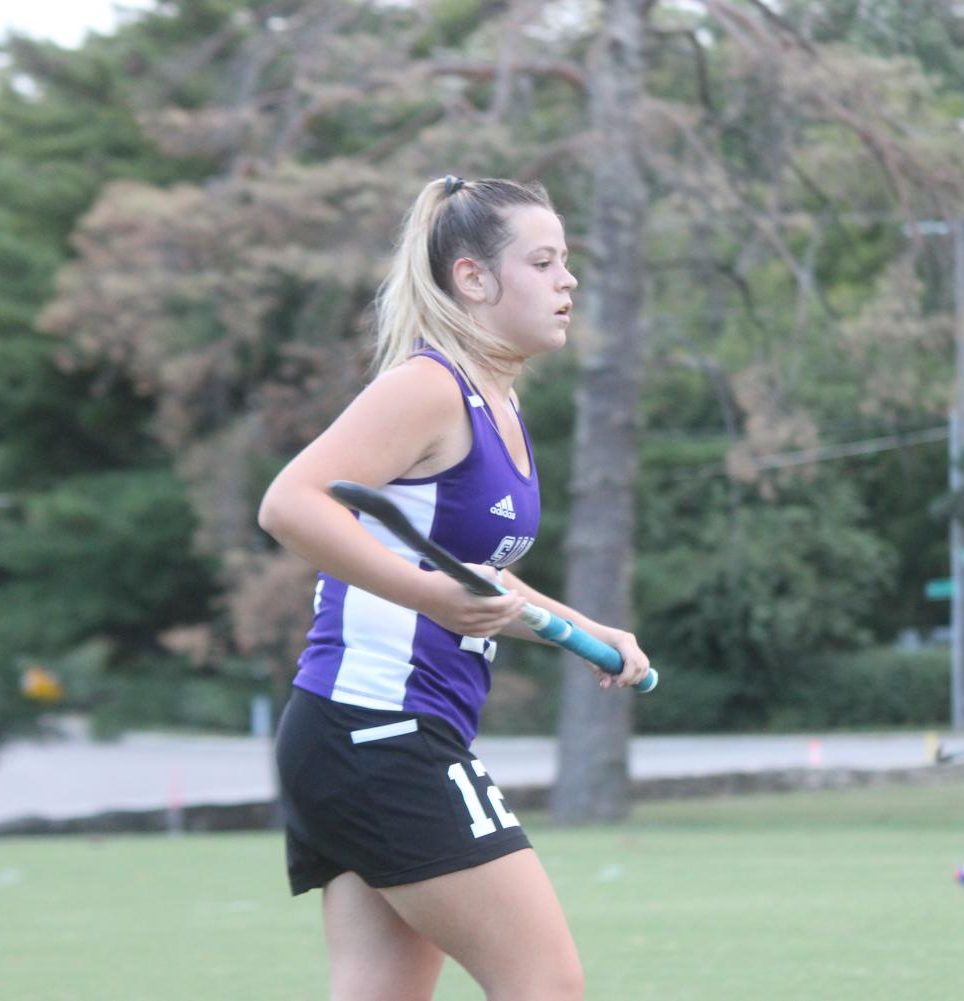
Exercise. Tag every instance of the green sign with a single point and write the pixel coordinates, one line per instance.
(940, 589)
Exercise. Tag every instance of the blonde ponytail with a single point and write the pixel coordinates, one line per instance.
(415, 305)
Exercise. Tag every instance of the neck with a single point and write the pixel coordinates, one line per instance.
(500, 380)
(496, 387)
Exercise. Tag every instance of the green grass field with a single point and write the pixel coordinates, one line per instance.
(823, 896)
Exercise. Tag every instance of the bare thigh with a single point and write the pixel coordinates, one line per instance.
(373, 955)
(501, 921)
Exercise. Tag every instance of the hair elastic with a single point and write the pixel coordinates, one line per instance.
(453, 184)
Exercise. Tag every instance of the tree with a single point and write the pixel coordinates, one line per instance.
(595, 725)
(68, 437)
(65, 129)
(117, 543)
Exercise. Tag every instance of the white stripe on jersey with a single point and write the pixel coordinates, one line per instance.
(378, 635)
(378, 638)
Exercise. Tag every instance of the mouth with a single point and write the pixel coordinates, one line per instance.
(565, 310)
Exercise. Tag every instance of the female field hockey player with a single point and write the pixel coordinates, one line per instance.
(386, 808)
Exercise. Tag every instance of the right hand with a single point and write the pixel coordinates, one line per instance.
(449, 604)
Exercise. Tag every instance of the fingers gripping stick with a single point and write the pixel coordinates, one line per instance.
(542, 622)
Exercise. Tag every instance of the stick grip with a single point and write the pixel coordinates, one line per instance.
(565, 634)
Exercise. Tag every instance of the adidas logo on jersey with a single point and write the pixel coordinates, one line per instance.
(504, 508)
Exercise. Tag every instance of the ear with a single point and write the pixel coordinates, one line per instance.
(468, 279)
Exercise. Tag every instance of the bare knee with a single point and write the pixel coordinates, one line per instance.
(575, 986)
(568, 983)
(363, 987)
(548, 977)
(552, 973)
(376, 983)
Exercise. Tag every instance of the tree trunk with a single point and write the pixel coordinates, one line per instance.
(595, 725)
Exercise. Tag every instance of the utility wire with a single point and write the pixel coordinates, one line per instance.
(803, 457)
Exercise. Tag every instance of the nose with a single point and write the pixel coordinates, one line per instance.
(569, 280)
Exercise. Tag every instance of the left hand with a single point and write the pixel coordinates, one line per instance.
(635, 662)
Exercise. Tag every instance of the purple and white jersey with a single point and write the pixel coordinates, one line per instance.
(366, 651)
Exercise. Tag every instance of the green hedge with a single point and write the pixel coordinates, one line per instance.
(688, 701)
(205, 704)
(156, 690)
(876, 687)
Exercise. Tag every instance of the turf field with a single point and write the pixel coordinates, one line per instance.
(823, 896)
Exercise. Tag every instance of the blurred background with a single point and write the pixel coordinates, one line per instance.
(199, 198)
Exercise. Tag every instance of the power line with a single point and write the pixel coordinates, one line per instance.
(825, 453)
(867, 447)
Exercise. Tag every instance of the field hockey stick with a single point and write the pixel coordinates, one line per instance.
(541, 621)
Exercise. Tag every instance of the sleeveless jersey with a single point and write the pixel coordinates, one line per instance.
(366, 651)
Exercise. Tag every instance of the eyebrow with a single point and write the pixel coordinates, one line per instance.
(550, 250)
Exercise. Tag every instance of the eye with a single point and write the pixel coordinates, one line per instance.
(543, 265)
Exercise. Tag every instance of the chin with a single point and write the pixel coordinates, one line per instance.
(555, 343)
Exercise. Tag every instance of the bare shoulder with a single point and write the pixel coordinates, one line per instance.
(427, 415)
(427, 410)
(421, 385)
(425, 371)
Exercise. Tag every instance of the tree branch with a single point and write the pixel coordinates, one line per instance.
(560, 69)
(728, 12)
(702, 73)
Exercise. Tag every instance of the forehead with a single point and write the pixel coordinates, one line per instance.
(534, 227)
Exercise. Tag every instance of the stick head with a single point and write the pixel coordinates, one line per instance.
(365, 499)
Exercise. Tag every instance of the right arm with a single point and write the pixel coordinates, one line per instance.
(409, 420)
